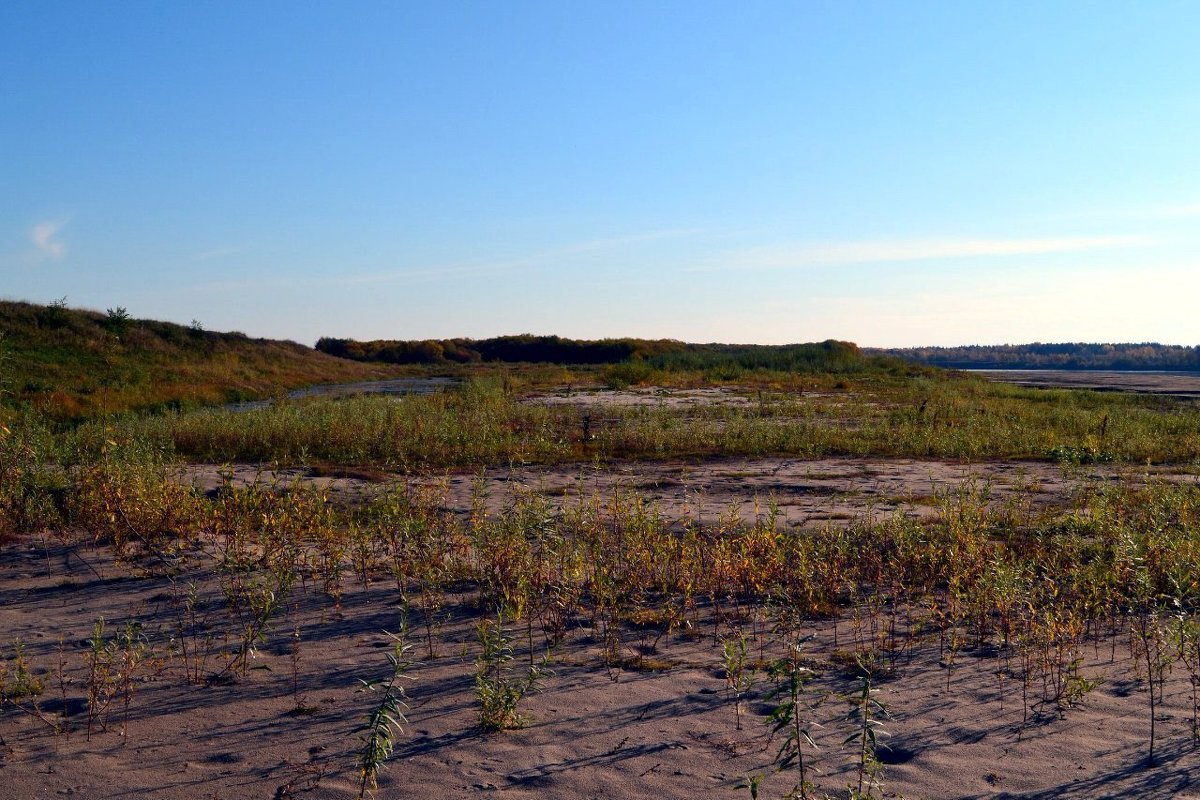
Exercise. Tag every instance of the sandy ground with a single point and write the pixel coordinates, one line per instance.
(649, 396)
(591, 732)
(291, 725)
(805, 492)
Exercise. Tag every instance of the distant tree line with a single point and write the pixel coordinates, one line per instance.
(666, 354)
(523, 348)
(1069, 355)
(827, 356)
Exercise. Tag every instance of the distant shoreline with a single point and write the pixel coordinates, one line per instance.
(1072, 356)
(1176, 383)
(1108, 370)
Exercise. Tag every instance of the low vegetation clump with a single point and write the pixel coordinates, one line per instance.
(485, 422)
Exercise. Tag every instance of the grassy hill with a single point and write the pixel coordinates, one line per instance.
(73, 364)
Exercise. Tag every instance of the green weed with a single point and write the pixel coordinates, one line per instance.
(386, 721)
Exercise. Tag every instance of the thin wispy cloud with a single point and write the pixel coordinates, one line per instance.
(433, 271)
(520, 262)
(1126, 215)
(635, 238)
(44, 235)
(1183, 211)
(219, 252)
(804, 255)
(267, 282)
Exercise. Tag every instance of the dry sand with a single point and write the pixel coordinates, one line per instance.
(592, 732)
(805, 492)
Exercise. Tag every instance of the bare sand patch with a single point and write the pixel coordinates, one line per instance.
(655, 396)
(659, 721)
(591, 732)
(803, 491)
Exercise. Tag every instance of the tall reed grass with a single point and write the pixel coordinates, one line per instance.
(483, 424)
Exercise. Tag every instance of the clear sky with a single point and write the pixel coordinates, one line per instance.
(891, 173)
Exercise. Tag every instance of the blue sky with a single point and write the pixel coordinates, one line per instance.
(887, 173)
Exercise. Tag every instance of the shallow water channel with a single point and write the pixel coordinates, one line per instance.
(395, 386)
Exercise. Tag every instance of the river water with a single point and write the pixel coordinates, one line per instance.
(1179, 384)
(395, 386)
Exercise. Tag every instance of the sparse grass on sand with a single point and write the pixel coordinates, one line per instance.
(619, 645)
